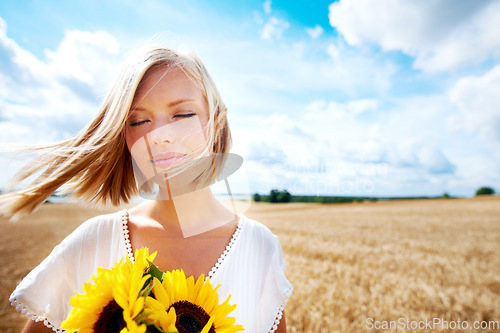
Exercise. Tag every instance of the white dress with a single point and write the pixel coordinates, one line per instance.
(251, 269)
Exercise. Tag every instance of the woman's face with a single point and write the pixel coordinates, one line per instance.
(167, 123)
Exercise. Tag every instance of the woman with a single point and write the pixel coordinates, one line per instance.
(162, 131)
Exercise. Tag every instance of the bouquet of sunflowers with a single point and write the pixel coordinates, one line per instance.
(139, 297)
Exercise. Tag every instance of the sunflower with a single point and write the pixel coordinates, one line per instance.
(195, 305)
(114, 301)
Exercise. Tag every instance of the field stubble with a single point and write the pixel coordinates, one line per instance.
(412, 259)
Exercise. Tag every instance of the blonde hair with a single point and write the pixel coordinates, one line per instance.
(96, 165)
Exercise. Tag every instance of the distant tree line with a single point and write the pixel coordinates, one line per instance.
(485, 191)
(282, 196)
(277, 196)
(274, 196)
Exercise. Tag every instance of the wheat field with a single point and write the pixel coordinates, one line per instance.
(351, 265)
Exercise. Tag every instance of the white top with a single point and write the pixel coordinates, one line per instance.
(251, 269)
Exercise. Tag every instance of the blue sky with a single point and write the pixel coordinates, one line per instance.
(356, 97)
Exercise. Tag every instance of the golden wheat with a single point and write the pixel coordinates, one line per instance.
(412, 259)
(409, 260)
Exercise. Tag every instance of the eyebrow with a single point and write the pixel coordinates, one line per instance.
(179, 101)
(169, 105)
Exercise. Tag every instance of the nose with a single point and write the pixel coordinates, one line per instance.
(158, 141)
(161, 136)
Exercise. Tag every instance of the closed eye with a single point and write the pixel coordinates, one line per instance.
(186, 115)
(138, 123)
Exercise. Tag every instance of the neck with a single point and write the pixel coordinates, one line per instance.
(191, 213)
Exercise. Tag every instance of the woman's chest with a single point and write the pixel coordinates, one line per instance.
(195, 256)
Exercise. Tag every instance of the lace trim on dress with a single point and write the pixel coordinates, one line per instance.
(33, 316)
(128, 245)
(227, 250)
(125, 220)
(288, 293)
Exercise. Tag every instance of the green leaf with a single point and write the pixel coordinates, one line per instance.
(149, 286)
(155, 271)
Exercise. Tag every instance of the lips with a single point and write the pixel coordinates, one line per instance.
(166, 160)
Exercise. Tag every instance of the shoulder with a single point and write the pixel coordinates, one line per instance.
(260, 234)
(45, 292)
(94, 231)
(97, 242)
(100, 223)
(258, 228)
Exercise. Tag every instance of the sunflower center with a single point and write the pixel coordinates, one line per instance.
(110, 319)
(191, 318)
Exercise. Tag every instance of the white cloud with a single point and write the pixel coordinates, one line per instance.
(405, 141)
(364, 151)
(22, 75)
(257, 16)
(274, 28)
(389, 135)
(478, 100)
(413, 153)
(267, 7)
(476, 170)
(335, 110)
(406, 138)
(333, 51)
(53, 99)
(465, 35)
(269, 155)
(255, 76)
(3, 27)
(282, 153)
(433, 160)
(84, 56)
(315, 32)
(291, 69)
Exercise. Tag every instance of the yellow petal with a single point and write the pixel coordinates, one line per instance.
(208, 325)
(161, 294)
(191, 293)
(168, 321)
(153, 304)
(211, 302)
